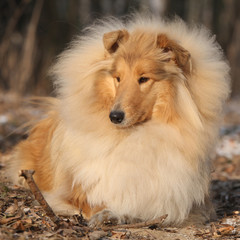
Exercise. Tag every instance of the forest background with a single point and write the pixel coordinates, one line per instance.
(34, 32)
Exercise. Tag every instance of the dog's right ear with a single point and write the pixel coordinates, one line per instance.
(112, 40)
(182, 57)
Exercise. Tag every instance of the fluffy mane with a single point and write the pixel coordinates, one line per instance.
(208, 86)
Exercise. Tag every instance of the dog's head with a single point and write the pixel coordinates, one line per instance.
(145, 68)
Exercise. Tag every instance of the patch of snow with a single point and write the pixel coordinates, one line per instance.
(3, 119)
(229, 221)
(229, 144)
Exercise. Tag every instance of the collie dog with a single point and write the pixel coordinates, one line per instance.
(136, 117)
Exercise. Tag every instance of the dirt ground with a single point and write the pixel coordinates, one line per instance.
(22, 217)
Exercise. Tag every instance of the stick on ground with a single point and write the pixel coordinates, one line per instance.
(156, 221)
(28, 175)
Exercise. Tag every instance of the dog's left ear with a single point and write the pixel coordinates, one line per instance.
(112, 40)
(181, 56)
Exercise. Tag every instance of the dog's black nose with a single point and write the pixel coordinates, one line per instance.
(116, 116)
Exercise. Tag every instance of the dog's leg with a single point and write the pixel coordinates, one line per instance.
(59, 205)
(107, 217)
(201, 214)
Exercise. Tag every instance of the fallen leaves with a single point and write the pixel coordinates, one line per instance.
(22, 218)
(11, 210)
(223, 230)
(227, 228)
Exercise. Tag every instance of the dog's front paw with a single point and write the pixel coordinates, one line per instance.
(104, 217)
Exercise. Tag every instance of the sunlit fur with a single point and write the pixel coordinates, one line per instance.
(156, 161)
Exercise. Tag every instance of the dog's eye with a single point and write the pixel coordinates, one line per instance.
(142, 80)
(118, 79)
(166, 49)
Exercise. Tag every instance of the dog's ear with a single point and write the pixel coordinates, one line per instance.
(181, 56)
(112, 40)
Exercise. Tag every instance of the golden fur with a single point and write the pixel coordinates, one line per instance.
(170, 82)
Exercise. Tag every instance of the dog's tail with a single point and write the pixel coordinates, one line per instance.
(12, 161)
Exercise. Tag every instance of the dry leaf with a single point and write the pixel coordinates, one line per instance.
(118, 235)
(226, 230)
(18, 226)
(12, 210)
(27, 221)
(8, 220)
(97, 235)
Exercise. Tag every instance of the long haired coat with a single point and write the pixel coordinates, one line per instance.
(136, 118)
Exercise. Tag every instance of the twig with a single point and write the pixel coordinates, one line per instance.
(213, 230)
(156, 221)
(28, 175)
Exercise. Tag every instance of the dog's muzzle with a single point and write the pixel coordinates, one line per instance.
(116, 117)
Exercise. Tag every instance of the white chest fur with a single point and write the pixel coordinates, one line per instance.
(144, 175)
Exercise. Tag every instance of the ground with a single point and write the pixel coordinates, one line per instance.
(22, 217)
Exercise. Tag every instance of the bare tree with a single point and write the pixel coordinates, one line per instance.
(29, 49)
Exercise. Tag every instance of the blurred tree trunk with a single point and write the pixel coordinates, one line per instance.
(9, 45)
(84, 12)
(155, 6)
(199, 11)
(228, 32)
(27, 62)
